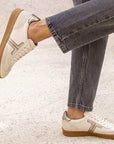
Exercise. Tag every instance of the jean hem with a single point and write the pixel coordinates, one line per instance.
(81, 107)
(55, 35)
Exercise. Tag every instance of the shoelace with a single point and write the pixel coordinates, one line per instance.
(98, 119)
(20, 53)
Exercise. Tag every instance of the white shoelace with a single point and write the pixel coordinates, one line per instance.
(98, 119)
(21, 52)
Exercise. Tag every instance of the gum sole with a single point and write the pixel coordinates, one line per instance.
(78, 134)
(13, 17)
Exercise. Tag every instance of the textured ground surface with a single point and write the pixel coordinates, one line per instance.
(34, 95)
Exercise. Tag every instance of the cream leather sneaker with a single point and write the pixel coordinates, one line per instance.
(90, 125)
(15, 43)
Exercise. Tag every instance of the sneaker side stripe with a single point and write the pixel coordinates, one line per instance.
(93, 126)
(14, 45)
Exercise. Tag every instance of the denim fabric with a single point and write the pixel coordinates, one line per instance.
(80, 29)
(82, 24)
(86, 64)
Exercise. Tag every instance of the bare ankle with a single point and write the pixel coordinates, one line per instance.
(73, 113)
(38, 31)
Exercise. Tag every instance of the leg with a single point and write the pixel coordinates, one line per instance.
(77, 26)
(83, 24)
(86, 67)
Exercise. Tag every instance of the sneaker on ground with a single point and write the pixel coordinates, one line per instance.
(89, 125)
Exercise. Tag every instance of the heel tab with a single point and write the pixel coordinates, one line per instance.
(65, 117)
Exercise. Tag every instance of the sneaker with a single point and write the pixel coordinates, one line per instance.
(15, 43)
(89, 125)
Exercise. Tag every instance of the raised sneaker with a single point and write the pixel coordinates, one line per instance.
(15, 43)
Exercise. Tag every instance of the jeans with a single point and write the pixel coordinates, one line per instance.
(84, 29)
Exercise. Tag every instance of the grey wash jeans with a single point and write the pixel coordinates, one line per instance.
(84, 29)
